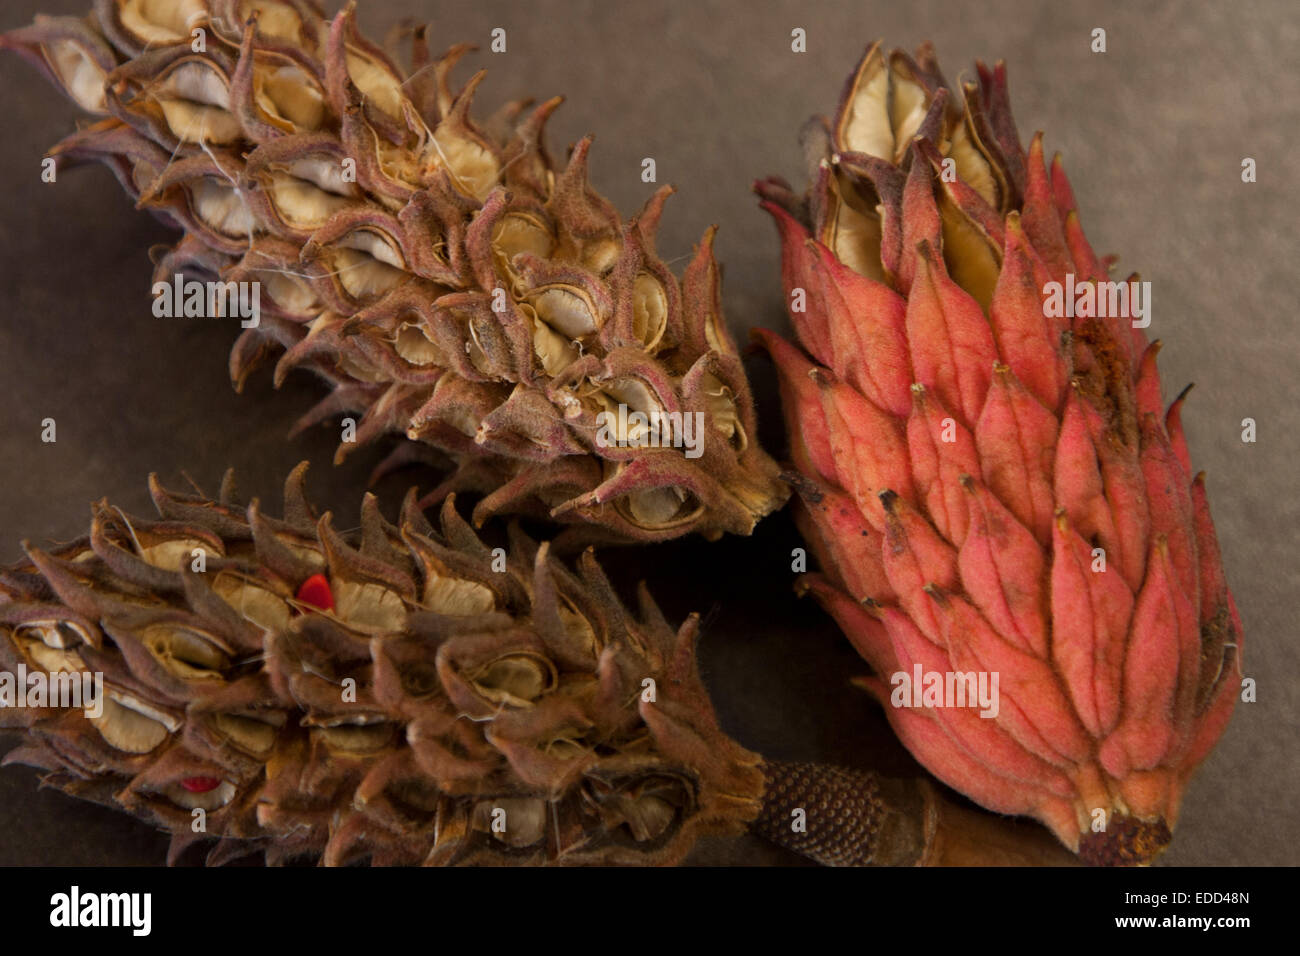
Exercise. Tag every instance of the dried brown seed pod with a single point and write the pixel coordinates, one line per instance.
(404, 694)
(447, 281)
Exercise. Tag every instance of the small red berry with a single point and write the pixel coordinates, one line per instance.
(316, 592)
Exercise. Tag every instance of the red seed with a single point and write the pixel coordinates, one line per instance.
(316, 592)
(201, 784)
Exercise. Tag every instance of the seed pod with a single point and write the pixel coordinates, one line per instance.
(449, 283)
(403, 694)
(988, 478)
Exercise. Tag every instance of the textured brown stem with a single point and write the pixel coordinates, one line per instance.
(859, 818)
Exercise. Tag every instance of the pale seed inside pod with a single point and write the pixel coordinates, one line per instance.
(555, 351)
(254, 736)
(220, 207)
(866, 126)
(291, 293)
(306, 195)
(908, 102)
(312, 557)
(277, 20)
(638, 397)
(161, 22)
(369, 607)
(567, 399)
(648, 816)
(324, 173)
(169, 554)
(651, 817)
(600, 255)
(457, 597)
(515, 680)
(80, 75)
(474, 169)
(127, 730)
(659, 507)
(184, 652)
(722, 411)
(289, 98)
(255, 603)
(565, 309)
(517, 233)
(143, 707)
(646, 806)
(398, 164)
(525, 819)
(367, 264)
(972, 168)
(379, 246)
(52, 660)
(715, 336)
(59, 635)
(376, 82)
(654, 509)
(195, 101)
(355, 738)
(855, 231)
(649, 310)
(413, 344)
(885, 109)
(969, 257)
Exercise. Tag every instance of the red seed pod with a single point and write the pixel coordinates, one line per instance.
(1024, 510)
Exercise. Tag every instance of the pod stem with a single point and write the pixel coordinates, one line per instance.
(859, 818)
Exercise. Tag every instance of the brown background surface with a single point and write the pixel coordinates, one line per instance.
(1153, 133)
